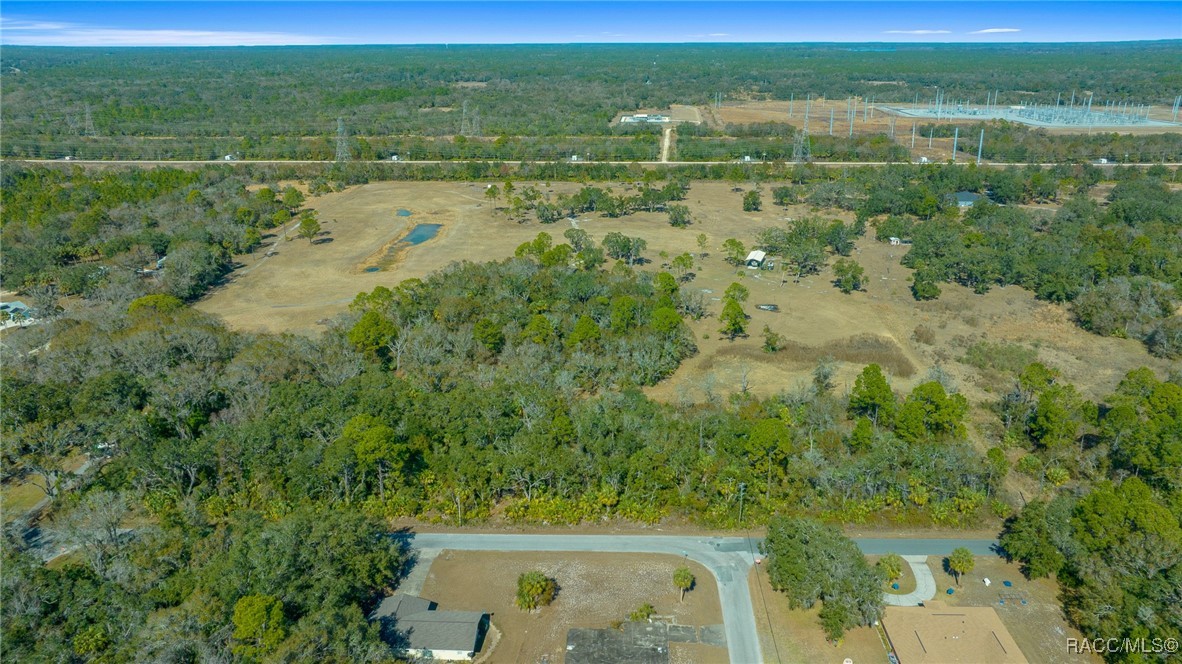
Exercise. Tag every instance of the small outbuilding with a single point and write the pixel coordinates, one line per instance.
(755, 259)
(415, 628)
(966, 199)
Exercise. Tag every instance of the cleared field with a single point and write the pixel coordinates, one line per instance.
(1037, 626)
(595, 589)
(879, 121)
(305, 283)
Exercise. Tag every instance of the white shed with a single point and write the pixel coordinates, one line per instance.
(755, 259)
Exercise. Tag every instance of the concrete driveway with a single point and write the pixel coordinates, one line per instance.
(925, 584)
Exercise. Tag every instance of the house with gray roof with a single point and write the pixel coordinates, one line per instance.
(415, 628)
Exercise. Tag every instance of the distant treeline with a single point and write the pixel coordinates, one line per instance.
(55, 95)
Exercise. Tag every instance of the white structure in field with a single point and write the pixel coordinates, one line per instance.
(755, 259)
(638, 118)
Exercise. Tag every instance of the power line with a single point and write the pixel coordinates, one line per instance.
(342, 142)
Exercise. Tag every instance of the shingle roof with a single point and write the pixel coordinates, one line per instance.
(425, 628)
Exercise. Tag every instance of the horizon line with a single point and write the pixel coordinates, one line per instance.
(606, 43)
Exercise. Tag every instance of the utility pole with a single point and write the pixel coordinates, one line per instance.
(912, 135)
(831, 122)
(791, 102)
(980, 146)
(742, 492)
(955, 139)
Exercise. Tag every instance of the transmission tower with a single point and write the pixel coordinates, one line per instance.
(88, 123)
(801, 150)
(342, 141)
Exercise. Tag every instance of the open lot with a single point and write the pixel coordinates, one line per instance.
(595, 589)
(879, 121)
(1038, 626)
(305, 283)
(795, 637)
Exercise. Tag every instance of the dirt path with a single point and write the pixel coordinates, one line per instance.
(666, 140)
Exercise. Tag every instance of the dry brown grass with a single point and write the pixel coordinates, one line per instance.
(594, 590)
(305, 283)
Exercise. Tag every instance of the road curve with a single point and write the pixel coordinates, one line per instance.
(729, 559)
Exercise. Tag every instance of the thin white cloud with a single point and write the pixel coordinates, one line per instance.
(11, 24)
(990, 31)
(43, 33)
(917, 32)
(719, 34)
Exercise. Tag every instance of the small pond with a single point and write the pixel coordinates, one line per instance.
(421, 233)
(403, 212)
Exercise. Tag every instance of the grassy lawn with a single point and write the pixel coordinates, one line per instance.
(17, 499)
(906, 581)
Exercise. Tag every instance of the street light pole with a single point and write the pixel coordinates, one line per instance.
(742, 491)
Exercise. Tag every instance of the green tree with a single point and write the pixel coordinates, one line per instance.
(702, 241)
(534, 590)
(735, 251)
(259, 625)
(772, 341)
(1030, 537)
(872, 396)
(960, 562)
(586, 330)
(577, 238)
(924, 286)
(665, 320)
(848, 275)
(376, 447)
(372, 332)
(292, 198)
(752, 202)
(309, 226)
(624, 310)
(488, 334)
(892, 566)
(538, 330)
(683, 580)
(665, 285)
(930, 411)
(737, 292)
(734, 320)
(679, 216)
(811, 562)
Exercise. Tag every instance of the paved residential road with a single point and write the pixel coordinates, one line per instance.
(729, 559)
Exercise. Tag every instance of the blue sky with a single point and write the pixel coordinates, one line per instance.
(217, 23)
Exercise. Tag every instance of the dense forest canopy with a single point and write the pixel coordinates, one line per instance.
(241, 484)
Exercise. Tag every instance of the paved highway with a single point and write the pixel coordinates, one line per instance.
(729, 559)
(274, 162)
